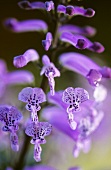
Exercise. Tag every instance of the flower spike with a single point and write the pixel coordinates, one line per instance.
(73, 98)
(50, 71)
(24, 59)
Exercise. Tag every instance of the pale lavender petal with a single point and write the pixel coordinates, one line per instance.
(3, 112)
(39, 95)
(14, 141)
(39, 167)
(77, 63)
(61, 9)
(26, 25)
(24, 59)
(19, 77)
(100, 93)
(49, 5)
(25, 94)
(31, 5)
(74, 39)
(45, 60)
(87, 30)
(14, 114)
(37, 152)
(49, 36)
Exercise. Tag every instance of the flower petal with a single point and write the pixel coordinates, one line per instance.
(31, 5)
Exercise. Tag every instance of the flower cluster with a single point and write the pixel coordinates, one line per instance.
(74, 113)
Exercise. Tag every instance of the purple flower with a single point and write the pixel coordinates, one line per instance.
(50, 72)
(86, 31)
(49, 5)
(24, 59)
(87, 121)
(31, 5)
(75, 10)
(79, 62)
(81, 42)
(10, 116)
(38, 131)
(26, 25)
(47, 42)
(73, 98)
(33, 97)
(14, 77)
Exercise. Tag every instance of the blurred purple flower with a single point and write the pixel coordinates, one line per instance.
(31, 5)
(50, 71)
(83, 65)
(75, 10)
(38, 131)
(81, 42)
(10, 117)
(26, 25)
(86, 31)
(88, 119)
(47, 42)
(24, 59)
(12, 78)
(33, 97)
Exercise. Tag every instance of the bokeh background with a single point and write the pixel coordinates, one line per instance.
(12, 44)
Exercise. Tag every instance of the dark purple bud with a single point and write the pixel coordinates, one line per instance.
(70, 10)
(94, 77)
(106, 72)
(81, 44)
(49, 5)
(89, 12)
(97, 47)
(24, 4)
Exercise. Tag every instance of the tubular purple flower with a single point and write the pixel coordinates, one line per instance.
(33, 97)
(75, 10)
(31, 5)
(10, 116)
(93, 73)
(38, 131)
(47, 42)
(26, 25)
(86, 31)
(50, 71)
(88, 120)
(49, 5)
(81, 42)
(19, 77)
(24, 59)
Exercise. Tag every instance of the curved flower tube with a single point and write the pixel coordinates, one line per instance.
(86, 31)
(25, 26)
(24, 59)
(31, 5)
(83, 65)
(81, 42)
